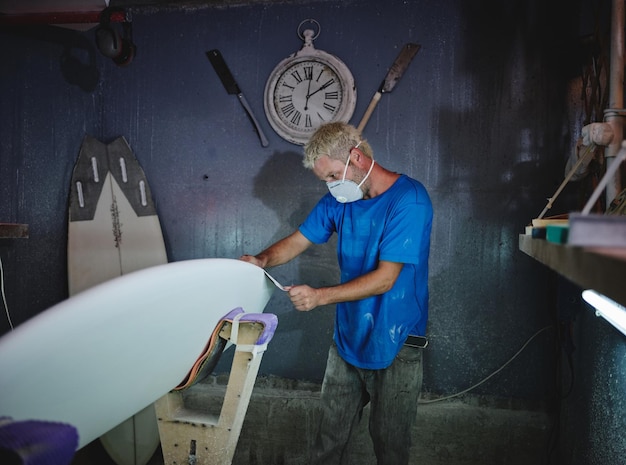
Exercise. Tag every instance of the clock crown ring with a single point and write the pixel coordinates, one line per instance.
(309, 35)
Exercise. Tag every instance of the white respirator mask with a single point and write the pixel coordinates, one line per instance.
(346, 191)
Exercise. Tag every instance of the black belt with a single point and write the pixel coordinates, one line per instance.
(416, 341)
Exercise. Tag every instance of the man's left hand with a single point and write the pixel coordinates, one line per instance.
(303, 297)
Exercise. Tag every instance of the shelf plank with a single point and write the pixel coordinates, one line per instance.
(13, 231)
(601, 269)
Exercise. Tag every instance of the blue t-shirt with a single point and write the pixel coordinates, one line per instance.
(394, 226)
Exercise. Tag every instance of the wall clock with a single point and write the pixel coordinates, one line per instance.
(307, 89)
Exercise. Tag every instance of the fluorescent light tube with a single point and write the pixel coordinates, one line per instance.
(610, 310)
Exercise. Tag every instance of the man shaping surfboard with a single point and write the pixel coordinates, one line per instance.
(383, 221)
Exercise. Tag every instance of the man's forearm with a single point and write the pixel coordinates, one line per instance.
(375, 282)
(282, 251)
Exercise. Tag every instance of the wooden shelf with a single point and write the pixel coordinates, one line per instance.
(601, 269)
(13, 231)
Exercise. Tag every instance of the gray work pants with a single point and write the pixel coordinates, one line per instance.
(393, 393)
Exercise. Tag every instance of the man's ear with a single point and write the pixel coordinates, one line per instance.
(357, 156)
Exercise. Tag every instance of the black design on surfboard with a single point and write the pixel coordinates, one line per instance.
(95, 161)
(117, 225)
(88, 179)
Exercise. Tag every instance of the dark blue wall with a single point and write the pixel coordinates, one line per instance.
(480, 117)
(593, 412)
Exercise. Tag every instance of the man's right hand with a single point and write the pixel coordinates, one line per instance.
(251, 259)
(280, 252)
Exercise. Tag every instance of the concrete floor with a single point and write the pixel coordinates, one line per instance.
(282, 417)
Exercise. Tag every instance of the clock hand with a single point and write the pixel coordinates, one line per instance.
(322, 87)
(306, 103)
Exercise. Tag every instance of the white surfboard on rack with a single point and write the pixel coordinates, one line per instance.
(110, 351)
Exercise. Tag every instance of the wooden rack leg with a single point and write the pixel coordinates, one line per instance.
(191, 437)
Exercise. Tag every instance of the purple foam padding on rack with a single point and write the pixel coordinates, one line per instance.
(33, 442)
(269, 322)
(232, 314)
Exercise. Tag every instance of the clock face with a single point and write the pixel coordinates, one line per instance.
(303, 94)
(308, 94)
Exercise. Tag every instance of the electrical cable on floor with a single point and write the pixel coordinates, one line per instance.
(491, 375)
(4, 298)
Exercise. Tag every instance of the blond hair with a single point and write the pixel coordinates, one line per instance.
(334, 140)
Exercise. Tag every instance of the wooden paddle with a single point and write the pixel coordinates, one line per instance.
(391, 79)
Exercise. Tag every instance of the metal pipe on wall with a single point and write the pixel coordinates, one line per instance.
(614, 114)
